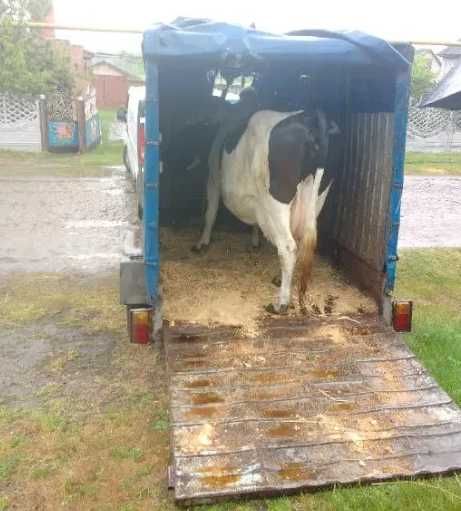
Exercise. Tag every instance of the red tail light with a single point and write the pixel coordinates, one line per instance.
(401, 316)
(141, 144)
(140, 325)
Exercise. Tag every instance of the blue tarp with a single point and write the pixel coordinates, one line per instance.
(214, 41)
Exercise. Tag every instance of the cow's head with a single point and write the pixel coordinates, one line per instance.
(320, 130)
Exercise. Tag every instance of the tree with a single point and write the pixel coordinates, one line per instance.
(30, 64)
(422, 76)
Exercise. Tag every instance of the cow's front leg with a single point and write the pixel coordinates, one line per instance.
(287, 256)
(213, 193)
(255, 238)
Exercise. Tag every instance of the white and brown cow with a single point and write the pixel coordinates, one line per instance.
(260, 170)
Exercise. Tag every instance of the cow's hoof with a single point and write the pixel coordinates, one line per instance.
(282, 311)
(277, 281)
(199, 249)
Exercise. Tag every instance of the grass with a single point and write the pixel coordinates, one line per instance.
(91, 305)
(115, 457)
(433, 279)
(88, 164)
(433, 164)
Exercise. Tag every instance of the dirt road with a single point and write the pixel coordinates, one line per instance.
(81, 224)
(431, 212)
(59, 224)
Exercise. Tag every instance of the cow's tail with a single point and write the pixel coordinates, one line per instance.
(309, 203)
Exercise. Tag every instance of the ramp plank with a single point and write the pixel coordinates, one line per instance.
(305, 404)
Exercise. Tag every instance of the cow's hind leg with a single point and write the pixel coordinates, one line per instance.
(255, 237)
(287, 256)
(213, 194)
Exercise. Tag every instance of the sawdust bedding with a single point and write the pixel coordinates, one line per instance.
(231, 282)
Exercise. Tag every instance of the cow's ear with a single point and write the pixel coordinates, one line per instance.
(333, 129)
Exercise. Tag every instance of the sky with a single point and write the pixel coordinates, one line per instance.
(390, 19)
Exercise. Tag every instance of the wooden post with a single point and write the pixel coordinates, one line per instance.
(43, 113)
(81, 124)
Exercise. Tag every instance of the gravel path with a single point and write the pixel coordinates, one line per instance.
(431, 212)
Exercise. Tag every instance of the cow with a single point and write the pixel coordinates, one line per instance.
(268, 171)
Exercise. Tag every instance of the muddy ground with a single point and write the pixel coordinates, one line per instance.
(83, 420)
(82, 412)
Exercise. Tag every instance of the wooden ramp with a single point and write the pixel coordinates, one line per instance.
(307, 403)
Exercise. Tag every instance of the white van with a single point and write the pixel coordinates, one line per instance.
(133, 151)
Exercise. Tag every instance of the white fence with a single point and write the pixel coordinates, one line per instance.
(433, 130)
(19, 123)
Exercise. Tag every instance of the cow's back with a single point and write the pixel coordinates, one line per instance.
(245, 169)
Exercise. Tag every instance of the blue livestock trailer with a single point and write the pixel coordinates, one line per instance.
(362, 81)
(302, 401)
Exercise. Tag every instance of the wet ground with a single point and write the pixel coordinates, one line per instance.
(65, 224)
(77, 229)
(84, 224)
(62, 239)
(69, 379)
(431, 212)
(63, 343)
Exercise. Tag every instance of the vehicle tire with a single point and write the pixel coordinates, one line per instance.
(125, 158)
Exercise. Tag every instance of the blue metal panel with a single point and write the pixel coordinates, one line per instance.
(400, 130)
(151, 184)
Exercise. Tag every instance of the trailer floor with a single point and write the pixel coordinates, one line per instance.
(308, 403)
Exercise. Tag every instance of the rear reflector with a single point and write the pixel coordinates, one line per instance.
(140, 325)
(402, 312)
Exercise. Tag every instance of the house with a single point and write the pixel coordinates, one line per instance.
(112, 84)
(79, 57)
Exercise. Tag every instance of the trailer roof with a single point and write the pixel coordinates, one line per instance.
(214, 41)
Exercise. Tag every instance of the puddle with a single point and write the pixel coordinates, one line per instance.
(191, 364)
(218, 481)
(207, 398)
(296, 472)
(325, 373)
(198, 384)
(338, 407)
(279, 414)
(284, 430)
(205, 412)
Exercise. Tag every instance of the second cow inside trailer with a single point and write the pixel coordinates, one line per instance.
(359, 81)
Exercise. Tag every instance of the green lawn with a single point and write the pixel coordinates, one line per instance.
(436, 164)
(91, 163)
